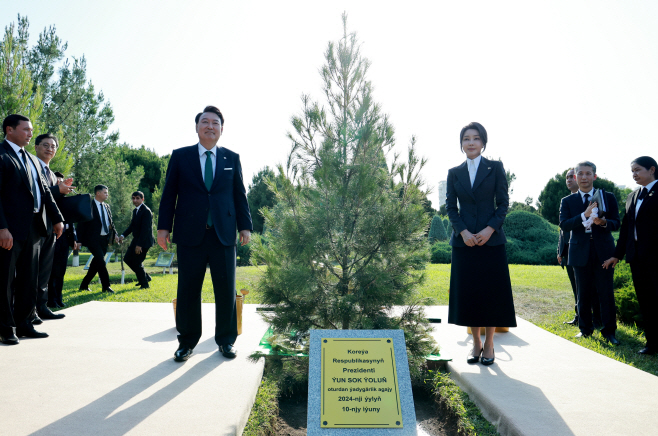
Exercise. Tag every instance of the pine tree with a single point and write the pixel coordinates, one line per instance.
(346, 239)
(437, 230)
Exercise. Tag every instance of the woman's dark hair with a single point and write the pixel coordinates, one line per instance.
(212, 109)
(46, 136)
(646, 162)
(476, 126)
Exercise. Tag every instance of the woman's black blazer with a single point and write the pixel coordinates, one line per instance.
(645, 249)
(483, 205)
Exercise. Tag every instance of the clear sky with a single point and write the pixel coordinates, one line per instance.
(554, 82)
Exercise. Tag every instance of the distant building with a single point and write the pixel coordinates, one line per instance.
(442, 192)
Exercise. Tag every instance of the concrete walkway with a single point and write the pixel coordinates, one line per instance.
(542, 384)
(108, 369)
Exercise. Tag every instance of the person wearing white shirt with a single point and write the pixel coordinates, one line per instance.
(638, 241)
(590, 244)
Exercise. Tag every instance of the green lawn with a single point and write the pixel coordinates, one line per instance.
(542, 295)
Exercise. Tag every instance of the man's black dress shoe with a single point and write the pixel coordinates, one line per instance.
(146, 286)
(86, 288)
(148, 277)
(573, 322)
(648, 351)
(182, 354)
(30, 333)
(583, 335)
(10, 339)
(611, 339)
(108, 290)
(472, 358)
(60, 303)
(228, 351)
(45, 313)
(486, 361)
(36, 320)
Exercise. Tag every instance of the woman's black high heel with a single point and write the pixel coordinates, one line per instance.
(474, 359)
(486, 361)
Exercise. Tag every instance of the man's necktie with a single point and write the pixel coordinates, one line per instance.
(643, 194)
(28, 170)
(207, 178)
(105, 229)
(49, 176)
(586, 200)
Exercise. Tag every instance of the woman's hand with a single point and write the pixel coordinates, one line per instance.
(610, 262)
(469, 238)
(483, 236)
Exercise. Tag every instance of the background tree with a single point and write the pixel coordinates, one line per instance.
(154, 166)
(260, 195)
(347, 232)
(437, 230)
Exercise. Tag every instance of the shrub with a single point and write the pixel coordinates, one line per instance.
(622, 277)
(531, 239)
(628, 308)
(437, 230)
(243, 255)
(441, 252)
(446, 224)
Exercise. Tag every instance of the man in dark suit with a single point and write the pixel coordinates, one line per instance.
(141, 226)
(63, 246)
(204, 200)
(563, 256)
(46, 146)
(96, 235)
(25, 201)
(591, 243)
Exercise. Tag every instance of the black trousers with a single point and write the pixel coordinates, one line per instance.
(134, 261)
(45, 267)
(192, 262)
(97, 265)
(596, 309)
(646, 288)
(19, 267)
(60, 259)
(593, 280)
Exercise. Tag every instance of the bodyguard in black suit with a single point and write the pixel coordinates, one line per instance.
(46, 146)
(25, 201)
(589, 247)
(141, 226)
(96, 235)
(204, 200)
(638, 241)
(63, 246)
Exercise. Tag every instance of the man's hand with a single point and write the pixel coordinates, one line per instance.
(559, 259)
(483, 236)
(65, 186)
(469, 238)
(138, 249)
(6, 240)
(610, 262)
(600, 222)
(58, 229)
(588, 211)
(121, 238)
(245, 237)
(116, 239)
(163, 239)
(77, 245)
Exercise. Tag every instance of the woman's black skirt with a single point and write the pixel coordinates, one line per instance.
(480, 287)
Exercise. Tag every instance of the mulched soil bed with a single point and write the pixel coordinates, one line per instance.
(292, 416)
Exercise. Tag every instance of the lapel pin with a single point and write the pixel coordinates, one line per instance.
(224, 157)
(651, 194)
(488, 168)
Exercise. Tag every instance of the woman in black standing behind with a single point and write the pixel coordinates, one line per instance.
(638, 241)
(480, 287)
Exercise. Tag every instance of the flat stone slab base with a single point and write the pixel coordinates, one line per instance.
(541, 384)
(108, 369)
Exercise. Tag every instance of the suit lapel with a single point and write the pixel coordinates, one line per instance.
(220, 164)
(19, 163)
(483, 171)
(195, 164)
(464, 179)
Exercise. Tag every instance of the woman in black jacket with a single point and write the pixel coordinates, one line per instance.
(638, 241)
(480, 287)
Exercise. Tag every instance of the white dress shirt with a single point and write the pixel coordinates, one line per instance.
(35, 172)
(582, 199)
(639, 203)
(473, 165)
(203, 157)
(101, 210)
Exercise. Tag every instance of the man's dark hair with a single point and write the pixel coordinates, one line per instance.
(585, 163)
(14, 120)
(46, 136)
(481, 130)
(99, 188)
(139, 194)
(647, 162)
(212, 109)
